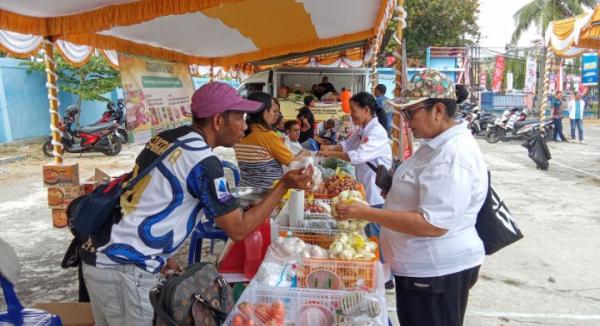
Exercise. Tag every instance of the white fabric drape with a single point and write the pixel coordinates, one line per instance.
(74, 53)
(20, 43)
(112, 57)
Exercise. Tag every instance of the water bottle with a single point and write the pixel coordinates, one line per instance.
(253, 244)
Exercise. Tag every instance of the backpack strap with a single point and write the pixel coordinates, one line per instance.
(164, 155)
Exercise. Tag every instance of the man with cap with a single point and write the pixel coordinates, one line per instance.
(163, 208)
(428, 233)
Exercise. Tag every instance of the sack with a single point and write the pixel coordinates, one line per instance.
(538, 150)
(199, 296)
(495, 225)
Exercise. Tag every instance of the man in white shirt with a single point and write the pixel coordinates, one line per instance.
(576, 108)
(292, 134)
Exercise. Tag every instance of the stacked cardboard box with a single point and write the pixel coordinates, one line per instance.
(62, 181)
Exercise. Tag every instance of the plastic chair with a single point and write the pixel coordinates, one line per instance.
(17, 315)
(208, 230)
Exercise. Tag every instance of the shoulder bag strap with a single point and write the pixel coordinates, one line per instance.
(149, 168)
(372, 166)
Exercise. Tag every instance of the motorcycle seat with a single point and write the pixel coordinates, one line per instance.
(520, 124)
(96, 127)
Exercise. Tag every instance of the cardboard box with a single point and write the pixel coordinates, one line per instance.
(56, 174)
(70, 313)
(89, 184)
(60, 197)
(59, 218)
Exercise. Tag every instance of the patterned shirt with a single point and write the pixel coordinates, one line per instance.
(162, 209)
(260, 157)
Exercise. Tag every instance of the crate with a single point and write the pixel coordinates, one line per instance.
(353, 273)
(295, 298)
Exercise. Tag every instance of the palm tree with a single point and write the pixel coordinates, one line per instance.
(542, 12)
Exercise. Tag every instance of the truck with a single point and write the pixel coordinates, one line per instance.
(298, 83)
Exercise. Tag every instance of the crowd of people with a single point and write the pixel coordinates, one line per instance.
(425, 221)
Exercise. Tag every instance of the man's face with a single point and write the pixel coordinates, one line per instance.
(294, 132)
(231, 128)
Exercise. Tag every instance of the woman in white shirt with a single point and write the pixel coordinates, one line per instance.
(368, 143)
(428, 233)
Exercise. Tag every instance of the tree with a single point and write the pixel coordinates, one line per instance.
(89, 82)
(436, 23)
(542, 12)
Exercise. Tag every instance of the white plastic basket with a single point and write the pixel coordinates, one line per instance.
(295, 298)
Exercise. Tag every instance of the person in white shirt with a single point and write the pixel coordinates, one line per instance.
(368, 143)
(576, 107)
(428, 233)
(292, 135)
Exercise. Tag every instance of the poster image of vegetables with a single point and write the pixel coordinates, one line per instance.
(157, 94)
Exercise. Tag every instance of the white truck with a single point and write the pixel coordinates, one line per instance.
(298, 83)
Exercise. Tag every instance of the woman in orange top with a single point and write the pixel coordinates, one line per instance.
(262, 153)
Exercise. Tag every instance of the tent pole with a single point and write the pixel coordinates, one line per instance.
(51, 79)
(546, 91)
(399, 142)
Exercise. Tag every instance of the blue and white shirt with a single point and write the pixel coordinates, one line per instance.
(162, 209)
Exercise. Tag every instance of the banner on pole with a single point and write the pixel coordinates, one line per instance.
(483, 79)
(498, 73)
(589, 71)
(530, 75)
(157, 95)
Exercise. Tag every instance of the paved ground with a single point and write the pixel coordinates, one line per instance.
(548, 278)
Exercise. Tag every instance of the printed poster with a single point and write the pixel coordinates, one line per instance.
(530, 75)
(157, 95)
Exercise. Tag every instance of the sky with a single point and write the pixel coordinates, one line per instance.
(496, 23)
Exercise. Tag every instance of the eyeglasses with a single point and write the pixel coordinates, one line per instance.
(409, 113)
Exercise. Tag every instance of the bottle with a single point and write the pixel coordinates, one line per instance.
(253, 244)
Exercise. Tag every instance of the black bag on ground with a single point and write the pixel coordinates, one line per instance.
(495, 225)
(199, 296)
(538, 150)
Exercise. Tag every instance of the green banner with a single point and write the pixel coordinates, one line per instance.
(161, 82)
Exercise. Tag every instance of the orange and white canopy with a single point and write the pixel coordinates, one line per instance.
(572, 36)
(202, 32)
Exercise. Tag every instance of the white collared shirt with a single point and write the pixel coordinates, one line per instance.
(369, 144)
(294, 146)
(446, 181)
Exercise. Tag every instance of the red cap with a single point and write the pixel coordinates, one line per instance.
(216, 97)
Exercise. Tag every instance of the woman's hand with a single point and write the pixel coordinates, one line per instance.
(355, 210)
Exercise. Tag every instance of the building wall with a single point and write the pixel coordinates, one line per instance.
(24, 103)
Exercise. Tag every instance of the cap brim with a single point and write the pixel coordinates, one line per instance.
(404, 102)
(247, 106)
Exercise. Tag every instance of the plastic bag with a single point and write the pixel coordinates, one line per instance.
(339, 166)
(538, 150)
(304, 162)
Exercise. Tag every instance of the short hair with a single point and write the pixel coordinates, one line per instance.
(461, 93)
(325, 77)
(329, 123)
(290, 123)
(203, 122)
(449, 104)
(308, 100)
(381, 88)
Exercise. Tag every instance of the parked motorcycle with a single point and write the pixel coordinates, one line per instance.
(513, 124)
(100, 137)
(477, 121)
(117, 115)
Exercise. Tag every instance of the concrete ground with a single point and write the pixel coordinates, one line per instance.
(551, 277)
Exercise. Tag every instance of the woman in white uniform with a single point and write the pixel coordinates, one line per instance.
(368, 143)
(428, 233)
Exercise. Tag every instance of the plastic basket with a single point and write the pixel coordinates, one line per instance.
(322, 238)
(353, 273)
(295, 298)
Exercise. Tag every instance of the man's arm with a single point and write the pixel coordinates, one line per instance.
(238, 225)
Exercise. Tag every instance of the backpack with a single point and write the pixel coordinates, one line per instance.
(199, 296)
(91, 216)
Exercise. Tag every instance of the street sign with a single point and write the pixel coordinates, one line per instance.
(589, 72)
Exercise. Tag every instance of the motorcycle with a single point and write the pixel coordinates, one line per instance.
(513, 124)
(117, 115)
(100, 137)
(477, 122)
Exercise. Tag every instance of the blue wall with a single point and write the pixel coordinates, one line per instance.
(24, 103)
